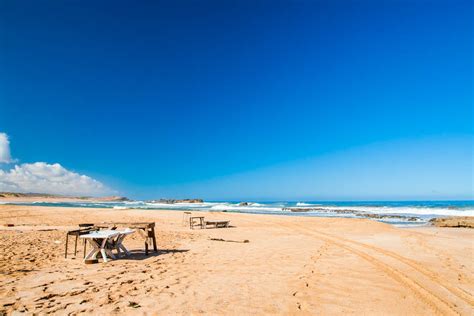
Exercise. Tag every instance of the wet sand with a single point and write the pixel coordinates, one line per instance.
(291, 265)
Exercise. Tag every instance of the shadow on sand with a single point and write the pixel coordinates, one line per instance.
(138, 254)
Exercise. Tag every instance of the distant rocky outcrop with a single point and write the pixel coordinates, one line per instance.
(383, 216)
(454, 221)
(352, 212)
(297, 210)
(302, 209)
(112, 199)
(174, 201)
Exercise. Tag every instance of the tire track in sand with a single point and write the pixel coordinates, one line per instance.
(460, 293)
(425, 287)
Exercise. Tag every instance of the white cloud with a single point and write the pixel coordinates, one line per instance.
(41, 177)
(5, 156)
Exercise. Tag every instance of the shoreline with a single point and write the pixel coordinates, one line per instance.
(290, 265)
(402, 219)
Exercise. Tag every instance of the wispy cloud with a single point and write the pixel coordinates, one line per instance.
(5, 156)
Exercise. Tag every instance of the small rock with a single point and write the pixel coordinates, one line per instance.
(133, 304)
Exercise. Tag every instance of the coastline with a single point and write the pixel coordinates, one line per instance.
(445, 213)
(21, 198)
(290, 265)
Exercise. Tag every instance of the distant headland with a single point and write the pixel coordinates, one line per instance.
(45, 197)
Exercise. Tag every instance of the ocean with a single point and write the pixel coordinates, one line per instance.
(399, 213)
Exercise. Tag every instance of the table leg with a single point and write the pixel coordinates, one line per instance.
(75, 245)
(109, 252)
(104, 251)
(65, 251)
(155, 248)
(92, 254)
(119, 245)
(94, 251)
(104, 256)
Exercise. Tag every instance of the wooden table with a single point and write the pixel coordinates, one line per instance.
(193, 221)
(98, 241)
(186, 216)
(76, 233)
(145, 229)
(118, 243)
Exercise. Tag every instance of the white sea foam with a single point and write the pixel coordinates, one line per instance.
(403, 210)
(302, 204)
(308, 209)
(121, 208)
(306, 204)
(178, 206)
(247, 208)
(279, 208)
(133, 202)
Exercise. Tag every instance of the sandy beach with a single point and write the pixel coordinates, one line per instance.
(290, 265)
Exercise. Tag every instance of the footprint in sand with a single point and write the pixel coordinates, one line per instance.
(77, 292)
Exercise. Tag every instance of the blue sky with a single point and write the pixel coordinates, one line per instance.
(244, 99)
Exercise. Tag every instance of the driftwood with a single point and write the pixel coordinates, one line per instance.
(246, 241)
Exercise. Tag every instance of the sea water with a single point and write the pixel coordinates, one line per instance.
(399, 213)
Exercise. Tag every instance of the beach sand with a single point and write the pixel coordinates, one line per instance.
(291, 265)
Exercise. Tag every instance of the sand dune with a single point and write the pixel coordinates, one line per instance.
(290, 265)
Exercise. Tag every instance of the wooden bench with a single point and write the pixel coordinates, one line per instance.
(217, 224)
